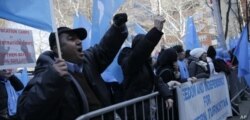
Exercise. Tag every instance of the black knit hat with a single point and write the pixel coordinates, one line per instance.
(80, 32)
(211, 52)
(178, 48)
(167, 57)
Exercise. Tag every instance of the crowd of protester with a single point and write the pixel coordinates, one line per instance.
(65, 88)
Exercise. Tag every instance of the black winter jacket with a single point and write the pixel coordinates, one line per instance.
(50, 97)
(139, 78)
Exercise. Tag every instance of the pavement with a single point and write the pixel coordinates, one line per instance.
(243, 104)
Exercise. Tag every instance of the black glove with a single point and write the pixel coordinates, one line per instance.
(120, 19)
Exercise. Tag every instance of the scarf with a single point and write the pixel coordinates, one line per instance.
(183, 70)
(12, 97)
(202, 64)
(74, 68)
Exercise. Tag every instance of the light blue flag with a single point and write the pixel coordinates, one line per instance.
(12, 98)
(139, 30)
(81, 21)
(101, 19)
(23, 77)
(241, 52)
(114, 72)
(248, 51)
(247, 78)
(34, 13)
(103, 11)
(191, 39)
(233, 42)
(117, 4)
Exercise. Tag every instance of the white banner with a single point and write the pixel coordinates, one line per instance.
(16, 48)
(204, 100)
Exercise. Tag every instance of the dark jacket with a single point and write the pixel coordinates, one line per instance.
(165, 70)
(219, 64)
(17, 85)
(139, 78)
(50, 97)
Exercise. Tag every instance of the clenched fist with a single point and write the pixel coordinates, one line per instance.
(120, 19)
(159, 22)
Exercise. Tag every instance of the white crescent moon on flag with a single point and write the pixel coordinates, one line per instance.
(101, 10)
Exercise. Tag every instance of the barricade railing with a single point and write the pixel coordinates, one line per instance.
(129, 109)
(119, 111)
(237, 88)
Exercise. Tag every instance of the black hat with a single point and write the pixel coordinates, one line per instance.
(178, 48)
(167, 57)
(80, 32)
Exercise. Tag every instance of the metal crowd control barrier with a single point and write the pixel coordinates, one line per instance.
(124, 105)
(236, 89)
(119, 111)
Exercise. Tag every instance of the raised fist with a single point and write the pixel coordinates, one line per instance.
(158, 22)
(120, 19)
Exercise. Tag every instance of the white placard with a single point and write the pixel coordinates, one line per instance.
(204, 100)
(16, 48)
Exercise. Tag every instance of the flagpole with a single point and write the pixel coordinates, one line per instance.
(55, 29)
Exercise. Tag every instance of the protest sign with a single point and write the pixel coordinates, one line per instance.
(205, 100)
(16, 48)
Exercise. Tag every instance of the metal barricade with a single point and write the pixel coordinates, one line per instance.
(122, 111)
(152, 106)
(237, 87)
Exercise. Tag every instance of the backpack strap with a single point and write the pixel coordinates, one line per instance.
(162, 71)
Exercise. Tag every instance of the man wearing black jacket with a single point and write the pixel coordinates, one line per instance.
(63, 89)
(135, 62)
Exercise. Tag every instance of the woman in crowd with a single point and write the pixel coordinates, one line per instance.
(198, 66)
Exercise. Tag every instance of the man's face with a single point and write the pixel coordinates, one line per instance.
(5, 73)
(181, 55)
(71, 47)
(175, 64)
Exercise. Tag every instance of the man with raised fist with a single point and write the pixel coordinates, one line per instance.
(63, 89)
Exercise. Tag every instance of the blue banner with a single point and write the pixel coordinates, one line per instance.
(34, 13)
(241, 52)
(81, 21)
(191, 39)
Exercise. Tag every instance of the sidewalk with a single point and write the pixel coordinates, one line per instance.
(244, 107)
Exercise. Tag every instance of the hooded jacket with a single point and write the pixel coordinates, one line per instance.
(51, 97)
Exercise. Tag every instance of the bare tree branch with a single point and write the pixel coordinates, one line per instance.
(227, 18)
(60, 13)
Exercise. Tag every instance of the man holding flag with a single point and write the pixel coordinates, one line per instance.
(63, 89)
